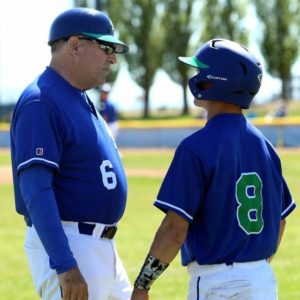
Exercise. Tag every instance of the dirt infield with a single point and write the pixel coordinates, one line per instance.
(6, 174)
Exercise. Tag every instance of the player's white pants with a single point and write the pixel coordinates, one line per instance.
(239, 281)
(98, 262)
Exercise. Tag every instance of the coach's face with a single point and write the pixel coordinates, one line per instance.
(93, 63)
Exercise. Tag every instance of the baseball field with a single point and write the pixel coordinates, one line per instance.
(145, 170)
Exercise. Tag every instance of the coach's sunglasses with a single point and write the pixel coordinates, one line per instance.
(108, 49)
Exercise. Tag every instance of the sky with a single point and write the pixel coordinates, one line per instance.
(24, 53)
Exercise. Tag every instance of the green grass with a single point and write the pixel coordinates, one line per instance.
(14, 273)
(4, 158)
(136, 231)
(152, 160)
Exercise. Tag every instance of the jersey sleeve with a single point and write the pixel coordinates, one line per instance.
(288, 204)
(183, 186)
(36, 187)
(37, 136)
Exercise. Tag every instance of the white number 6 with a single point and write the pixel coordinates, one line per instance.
(108, 176)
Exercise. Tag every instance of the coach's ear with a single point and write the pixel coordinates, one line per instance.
(74, 45)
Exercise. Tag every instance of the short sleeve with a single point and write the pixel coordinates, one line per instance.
(288, 204)
(182, 188)
(38, 136)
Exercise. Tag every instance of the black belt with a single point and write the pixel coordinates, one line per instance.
(84, 228)
(107, 233)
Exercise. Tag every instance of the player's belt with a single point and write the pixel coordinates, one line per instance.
(108, 232)
(98, 230)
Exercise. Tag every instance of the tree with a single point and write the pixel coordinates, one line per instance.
(98, 4)
(224, 19)
(139, 27)
(185, 21)
(280, 46)
(177, 21)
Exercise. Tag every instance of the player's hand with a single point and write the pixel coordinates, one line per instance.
(73, 285)
(139, 295)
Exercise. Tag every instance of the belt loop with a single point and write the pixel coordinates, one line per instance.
(98, 230)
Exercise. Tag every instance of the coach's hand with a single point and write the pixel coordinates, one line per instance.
(139, 294)
(73, 285)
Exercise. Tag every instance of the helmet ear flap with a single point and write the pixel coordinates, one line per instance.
(204, 85)
(197, 85)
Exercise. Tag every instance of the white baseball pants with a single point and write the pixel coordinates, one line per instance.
(239, 281)
(97, 259)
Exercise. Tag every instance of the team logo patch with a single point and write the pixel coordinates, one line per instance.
(39, 151)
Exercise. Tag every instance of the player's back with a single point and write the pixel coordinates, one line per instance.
(238, 218)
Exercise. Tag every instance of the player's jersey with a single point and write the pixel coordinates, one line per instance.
(54, 125)
(108, 112)
(226, 180)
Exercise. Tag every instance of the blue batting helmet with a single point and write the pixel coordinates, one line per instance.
(228, 73)
(87, 22)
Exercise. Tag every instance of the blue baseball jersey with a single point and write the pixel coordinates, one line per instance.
(226, 180)
(108, 111)
(53, 125)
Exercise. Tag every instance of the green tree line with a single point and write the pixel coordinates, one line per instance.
(160, 31)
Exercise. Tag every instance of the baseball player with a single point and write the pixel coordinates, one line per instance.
(107, 110)
(69, 182)
(224, 195)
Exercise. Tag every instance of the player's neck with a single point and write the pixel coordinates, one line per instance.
(215, 108)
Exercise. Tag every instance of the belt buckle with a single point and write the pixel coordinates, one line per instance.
(109, 232)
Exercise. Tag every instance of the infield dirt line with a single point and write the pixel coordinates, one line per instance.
(6, 174)
(149, 150)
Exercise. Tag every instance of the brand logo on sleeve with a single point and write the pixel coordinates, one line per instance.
(39, 151)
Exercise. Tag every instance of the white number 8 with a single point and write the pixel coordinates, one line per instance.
(109, 178)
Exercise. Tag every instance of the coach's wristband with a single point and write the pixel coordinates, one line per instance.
(151, 269)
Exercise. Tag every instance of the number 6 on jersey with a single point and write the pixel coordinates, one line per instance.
(109, 178)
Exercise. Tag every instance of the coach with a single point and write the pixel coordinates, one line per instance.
(69, 182)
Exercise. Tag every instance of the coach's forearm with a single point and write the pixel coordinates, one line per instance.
(169, 237)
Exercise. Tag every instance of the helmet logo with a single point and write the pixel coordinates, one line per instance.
(216, 77)
(259, 77)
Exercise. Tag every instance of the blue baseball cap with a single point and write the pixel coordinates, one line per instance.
(87, 22)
